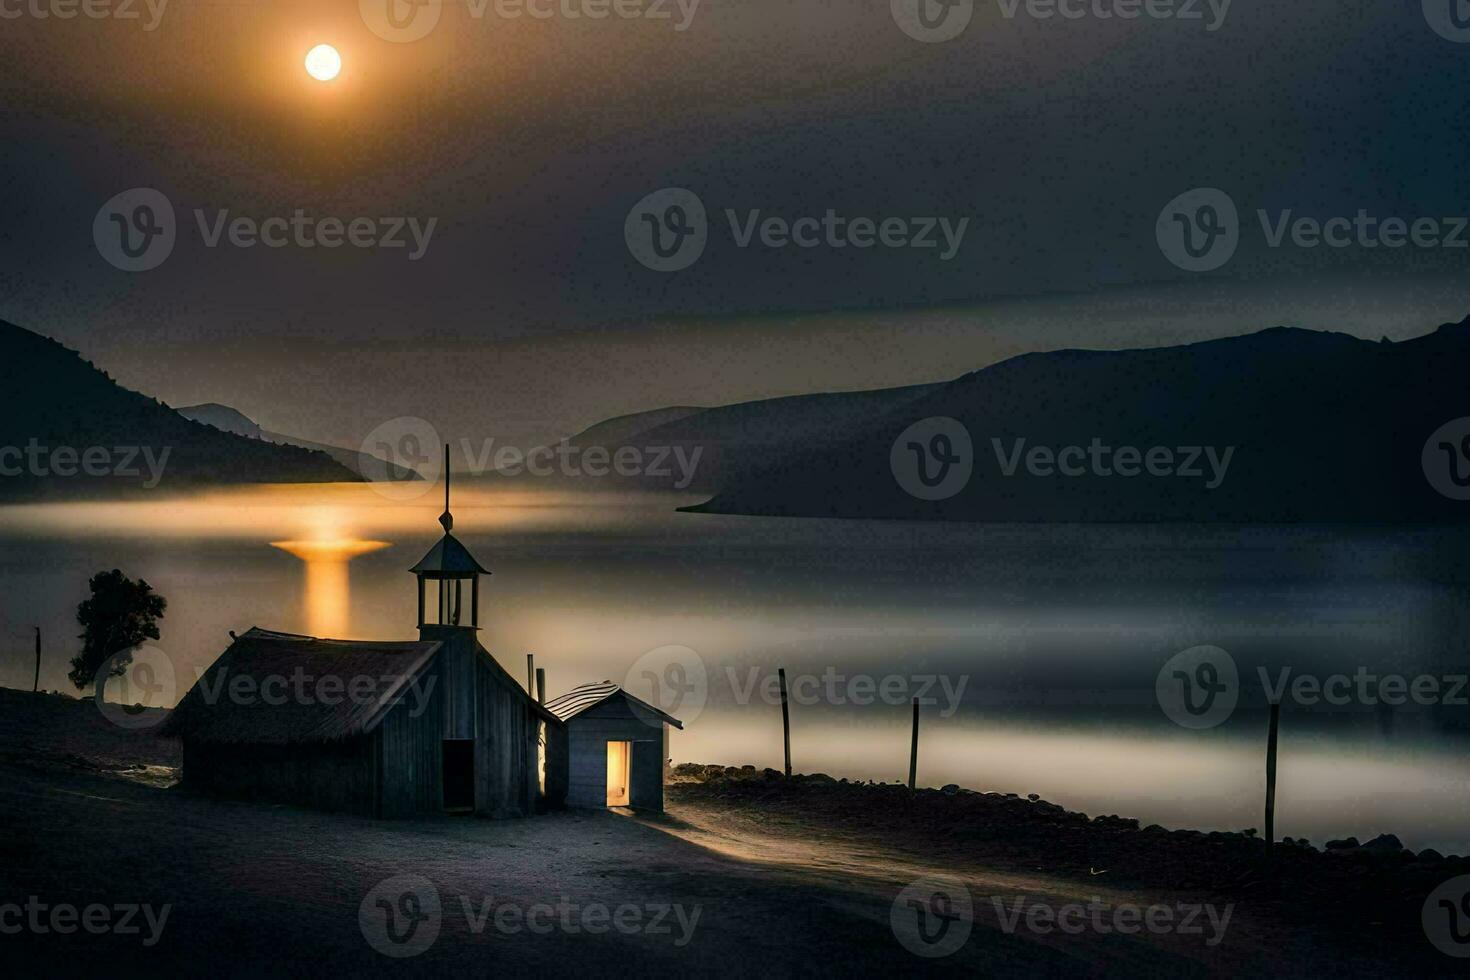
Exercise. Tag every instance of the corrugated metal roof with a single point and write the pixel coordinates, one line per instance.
(580, 698)
(585, 696)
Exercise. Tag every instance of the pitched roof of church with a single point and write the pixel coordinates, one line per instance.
(585, 696)
(448, 555)
(273, 710)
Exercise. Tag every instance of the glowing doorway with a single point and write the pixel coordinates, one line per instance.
(619, 759)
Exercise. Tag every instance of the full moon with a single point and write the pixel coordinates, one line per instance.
(323, 62)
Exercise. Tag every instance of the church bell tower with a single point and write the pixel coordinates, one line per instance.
(450, 565)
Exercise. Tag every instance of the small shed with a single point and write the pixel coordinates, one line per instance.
(618, 747)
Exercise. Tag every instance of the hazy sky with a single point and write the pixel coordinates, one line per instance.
(528, 142)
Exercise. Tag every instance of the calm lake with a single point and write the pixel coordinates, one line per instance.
(1039, 646)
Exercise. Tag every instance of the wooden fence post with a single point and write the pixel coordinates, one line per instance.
(914, 748)
(1271, 777)
(785, 719)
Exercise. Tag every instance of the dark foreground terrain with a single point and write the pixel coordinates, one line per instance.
(747, 874)
(1357, 905)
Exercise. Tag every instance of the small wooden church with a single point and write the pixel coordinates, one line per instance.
(618, 747)
(391, 729)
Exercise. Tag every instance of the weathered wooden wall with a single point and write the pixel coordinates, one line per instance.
(409, 748)
(482, 701)
(457, 679)
(396, 770)
(505, 749)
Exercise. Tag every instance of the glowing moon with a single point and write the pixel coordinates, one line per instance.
(323, 62)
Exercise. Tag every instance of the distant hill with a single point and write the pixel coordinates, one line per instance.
(625, 427)
(228, 419)
(67, 428)
(222, 417)
(725, 442)
(1325, 427)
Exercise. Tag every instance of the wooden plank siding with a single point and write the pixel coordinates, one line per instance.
(457, 663)
(482, 701)
(395, 769)
(505, 746)
(409, 750)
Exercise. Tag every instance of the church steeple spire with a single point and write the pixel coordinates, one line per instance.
(446, 518)
(451, 565)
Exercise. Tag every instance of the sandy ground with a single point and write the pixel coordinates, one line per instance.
(710, 888)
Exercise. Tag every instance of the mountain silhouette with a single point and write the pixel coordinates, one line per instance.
(66, 428)
(1324, 427)
(733, 440)
(224, 418)
(624, 428)
(227, 419)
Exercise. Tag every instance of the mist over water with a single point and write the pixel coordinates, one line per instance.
(1039, 644)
